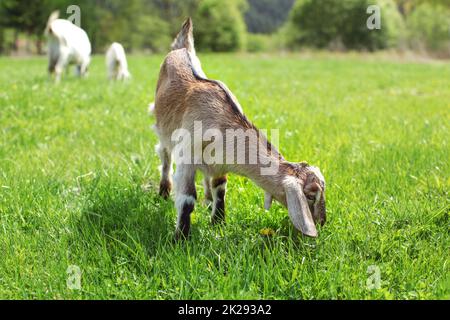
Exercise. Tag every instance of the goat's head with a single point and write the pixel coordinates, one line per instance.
(304, 196)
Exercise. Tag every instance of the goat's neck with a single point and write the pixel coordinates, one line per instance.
(268, 174)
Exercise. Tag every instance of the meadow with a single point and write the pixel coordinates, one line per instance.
(79, 178)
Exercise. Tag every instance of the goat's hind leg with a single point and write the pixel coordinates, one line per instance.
(207, 188)
(84, 68)
(185, 197)
(219, 189)
(165, 185)
(52, 66)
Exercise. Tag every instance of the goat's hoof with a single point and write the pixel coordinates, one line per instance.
(165, 194)
(180, 236)
(165, 187)
(217, 220)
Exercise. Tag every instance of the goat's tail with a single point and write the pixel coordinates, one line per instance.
(185, 38)
(53, 17)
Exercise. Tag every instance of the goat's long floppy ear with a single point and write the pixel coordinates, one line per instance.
(185, 38)
(298, 209)
(267, 200)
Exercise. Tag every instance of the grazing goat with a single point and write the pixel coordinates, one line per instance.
(67, 44)
(116, 63)
(185, 98)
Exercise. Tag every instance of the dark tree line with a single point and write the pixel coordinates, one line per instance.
(230, 25)
(421, 25)
(140, 24)
(266, 16)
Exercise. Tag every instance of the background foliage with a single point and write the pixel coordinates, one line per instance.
(220, 25)
(342, 24)
(266, 16)
(429, 28)
(235, 25)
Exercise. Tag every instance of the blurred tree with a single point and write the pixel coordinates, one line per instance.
(2, 40)
(152, 33)
(25, 16)
(30, 17)
(429, 28)
(219, 25)
(134, 23)
(257, 42)
(174, 11)
(407, 6)
(337, 24)
(265, 16)
(116, 20)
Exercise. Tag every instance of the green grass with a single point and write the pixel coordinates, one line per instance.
(78, 184)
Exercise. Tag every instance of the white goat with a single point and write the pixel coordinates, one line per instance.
(116, 62)
(67, 44)
(184, 98)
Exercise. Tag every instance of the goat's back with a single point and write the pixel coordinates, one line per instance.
(116, 54)
(174, 83)
(184, 96)
(70, 35)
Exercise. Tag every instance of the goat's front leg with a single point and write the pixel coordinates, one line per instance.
(84, 67)
(59, 68)
(207, 186)
(185, 196)
(219, 188)
(52, 66)
(165, 185)
(61, 64)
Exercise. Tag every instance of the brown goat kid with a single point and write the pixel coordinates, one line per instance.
(185, 98)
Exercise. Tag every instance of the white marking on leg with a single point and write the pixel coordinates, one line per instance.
(180, 201)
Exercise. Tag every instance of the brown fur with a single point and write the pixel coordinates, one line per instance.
(184, 96)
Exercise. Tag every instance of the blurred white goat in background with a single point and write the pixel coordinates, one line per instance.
(116, 63)
(67, 44)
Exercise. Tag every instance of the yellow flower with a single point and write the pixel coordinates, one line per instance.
(268, 232)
